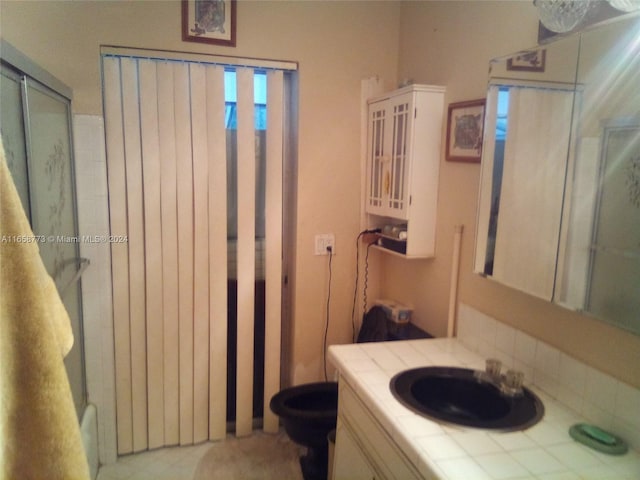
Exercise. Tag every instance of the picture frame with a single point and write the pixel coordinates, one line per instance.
(209, 21)
(465, 121)
(528, 61)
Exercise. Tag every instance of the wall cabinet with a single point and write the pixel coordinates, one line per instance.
(403, 158)
(364, 450)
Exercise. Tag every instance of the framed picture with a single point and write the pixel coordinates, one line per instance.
(529, 61)
(464, 131)
(209, 21)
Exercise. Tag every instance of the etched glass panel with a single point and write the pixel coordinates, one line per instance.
(53, 214)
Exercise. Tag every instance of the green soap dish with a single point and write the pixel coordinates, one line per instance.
(598, 439)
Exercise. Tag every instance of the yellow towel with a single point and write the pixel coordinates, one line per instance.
(39, 432)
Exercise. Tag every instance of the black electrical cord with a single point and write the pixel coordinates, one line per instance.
(366, 277)
(355, 293)
(326, 327)
(355, 289)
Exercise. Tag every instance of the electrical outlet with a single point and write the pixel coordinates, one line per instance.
(324, 241)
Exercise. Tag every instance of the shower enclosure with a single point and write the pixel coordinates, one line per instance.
(35, 123)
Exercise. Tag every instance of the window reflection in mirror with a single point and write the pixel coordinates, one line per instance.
(527, 134)
(502, 109)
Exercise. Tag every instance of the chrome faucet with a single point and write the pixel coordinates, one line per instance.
(509, 384)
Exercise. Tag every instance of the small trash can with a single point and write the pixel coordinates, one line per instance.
(331, 440)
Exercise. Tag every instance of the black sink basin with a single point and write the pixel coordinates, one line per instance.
(456, 395)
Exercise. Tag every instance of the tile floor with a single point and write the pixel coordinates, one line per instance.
(173, 463)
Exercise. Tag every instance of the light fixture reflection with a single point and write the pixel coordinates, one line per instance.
(563, 15)
(625, 5)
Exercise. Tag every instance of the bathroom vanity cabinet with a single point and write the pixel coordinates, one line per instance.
(377, 437)
(365, 450)
(403, 157)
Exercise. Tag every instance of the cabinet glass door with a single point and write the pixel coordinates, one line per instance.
(389, 124)
(397, 193)
(377, 159)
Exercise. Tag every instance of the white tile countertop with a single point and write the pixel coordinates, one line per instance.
(544, 451)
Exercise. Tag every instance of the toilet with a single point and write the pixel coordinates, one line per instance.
(308, 413)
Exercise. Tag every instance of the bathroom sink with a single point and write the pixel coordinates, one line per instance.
(462, 396)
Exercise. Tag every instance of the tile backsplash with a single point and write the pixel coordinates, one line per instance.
(600, 398)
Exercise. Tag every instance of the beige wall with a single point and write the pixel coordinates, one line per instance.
(336, 44)
(451, 43)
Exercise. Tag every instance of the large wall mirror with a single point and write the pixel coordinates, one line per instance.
(559, 205)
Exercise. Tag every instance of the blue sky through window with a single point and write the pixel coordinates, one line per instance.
(502, 113)
(259, 95)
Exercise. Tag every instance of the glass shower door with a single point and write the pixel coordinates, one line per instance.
(614, 282)
(35, 124)
(53, 211)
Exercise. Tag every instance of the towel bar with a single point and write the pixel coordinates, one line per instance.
(83, 263)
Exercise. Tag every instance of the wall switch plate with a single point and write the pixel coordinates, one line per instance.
(323, 241)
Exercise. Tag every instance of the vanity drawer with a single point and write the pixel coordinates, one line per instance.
(384, 455)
